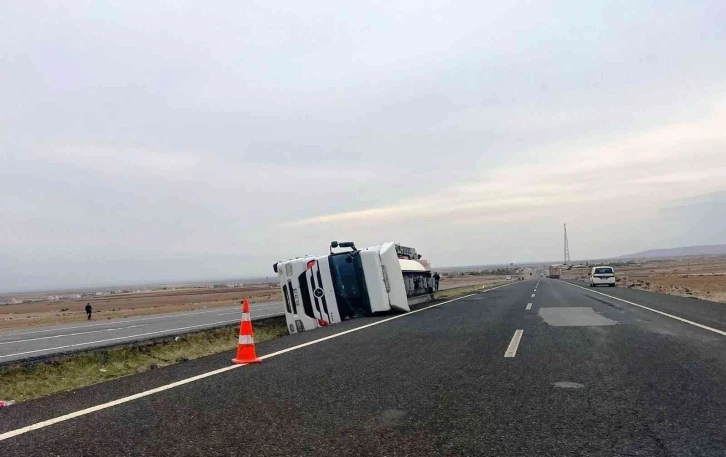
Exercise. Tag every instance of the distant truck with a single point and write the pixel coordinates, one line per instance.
(554, 272)
(322, 290)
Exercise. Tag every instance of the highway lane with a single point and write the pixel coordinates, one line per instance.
(37, 342)
(588, 375)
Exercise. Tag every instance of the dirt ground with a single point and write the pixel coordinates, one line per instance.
(157, 302)
(701, 277)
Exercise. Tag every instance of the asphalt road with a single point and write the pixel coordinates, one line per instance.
(44, 341)
(578, 373)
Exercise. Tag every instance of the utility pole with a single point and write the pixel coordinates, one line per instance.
(567, 248)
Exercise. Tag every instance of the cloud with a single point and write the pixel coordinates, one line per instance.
(656, 166)
(144, 140)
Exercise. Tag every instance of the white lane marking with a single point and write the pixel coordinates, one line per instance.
(86, 343)
(71, 334)
(83, 412)
(714, 330)
(514, 344)
(120, 320)
(532, 295)
(529, 306)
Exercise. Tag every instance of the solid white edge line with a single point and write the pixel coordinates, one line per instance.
(110, 404)
(705, 327)
(514, 344)
(529, 306)
(146, 393)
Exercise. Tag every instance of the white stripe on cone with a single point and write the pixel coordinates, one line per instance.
(246, 339)
(245, 316)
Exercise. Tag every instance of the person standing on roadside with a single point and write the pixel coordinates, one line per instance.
(437, 278)
(89, 310)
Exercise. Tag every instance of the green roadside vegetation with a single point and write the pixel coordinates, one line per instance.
(18, 382)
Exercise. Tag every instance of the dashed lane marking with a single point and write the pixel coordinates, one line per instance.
(514, 344)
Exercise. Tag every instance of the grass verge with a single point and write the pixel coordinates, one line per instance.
(455, 292)
(21, 383)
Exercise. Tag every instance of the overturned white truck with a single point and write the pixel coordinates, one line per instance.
(323, 290)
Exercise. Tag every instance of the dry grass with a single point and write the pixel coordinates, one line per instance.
(28, 382)
(450, 293)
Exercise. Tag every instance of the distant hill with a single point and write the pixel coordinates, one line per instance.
(715, 249)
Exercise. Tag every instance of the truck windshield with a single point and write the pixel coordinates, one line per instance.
(349, 284)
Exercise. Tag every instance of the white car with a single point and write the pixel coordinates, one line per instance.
(602, 275)
(509, 278)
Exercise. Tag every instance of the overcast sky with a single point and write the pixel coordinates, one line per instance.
(158, 141)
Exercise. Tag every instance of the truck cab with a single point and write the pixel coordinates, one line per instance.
(345, 284)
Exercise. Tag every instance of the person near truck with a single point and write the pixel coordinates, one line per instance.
(437, 278)
(89, 310)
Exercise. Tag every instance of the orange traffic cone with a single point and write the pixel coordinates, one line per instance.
(246, 346)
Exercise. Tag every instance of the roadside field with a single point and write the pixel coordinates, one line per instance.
(700, 277)
(132, 304)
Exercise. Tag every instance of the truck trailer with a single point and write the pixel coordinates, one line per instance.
(554, 272)
(348, 282)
